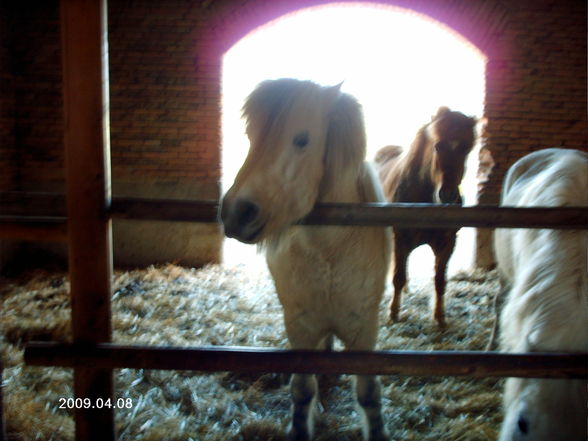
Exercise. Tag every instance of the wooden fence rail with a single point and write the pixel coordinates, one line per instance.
(372, 214)
(34, 228)
(39, 226)
(265, 360)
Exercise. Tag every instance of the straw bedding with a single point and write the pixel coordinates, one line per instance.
(234, 305)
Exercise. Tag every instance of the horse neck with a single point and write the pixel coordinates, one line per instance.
(415, 181)
(553, 288)
(557, 253)
(420, 156)
(346, 187)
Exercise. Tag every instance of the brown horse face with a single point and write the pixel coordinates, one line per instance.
(453, 139)
(450, 160)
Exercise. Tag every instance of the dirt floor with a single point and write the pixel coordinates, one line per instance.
(236, 305)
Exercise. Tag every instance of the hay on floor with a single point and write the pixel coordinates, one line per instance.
(220, 305)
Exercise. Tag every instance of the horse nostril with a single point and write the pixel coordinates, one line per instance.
(449, 197)
(523, 425)
(246, 212)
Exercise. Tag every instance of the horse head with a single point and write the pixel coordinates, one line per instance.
(287, 125)
(452, 135)
(544, 410)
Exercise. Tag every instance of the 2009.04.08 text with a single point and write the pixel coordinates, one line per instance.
(98, 403)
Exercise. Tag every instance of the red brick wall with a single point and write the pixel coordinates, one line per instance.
(165, 64)
(7, 111)
(165, 95)
(535, 77)
(31, 123)
(536, 96)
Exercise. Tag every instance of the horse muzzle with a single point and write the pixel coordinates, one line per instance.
(449, 196)
(242, 220)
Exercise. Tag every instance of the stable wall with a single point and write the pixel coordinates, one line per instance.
(165, 71)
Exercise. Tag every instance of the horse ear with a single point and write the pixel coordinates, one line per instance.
(479, 124)
(337, 86)
(332, 93)
(443, 110)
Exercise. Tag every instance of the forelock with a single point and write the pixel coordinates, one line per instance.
(450, 123)
(266, 107)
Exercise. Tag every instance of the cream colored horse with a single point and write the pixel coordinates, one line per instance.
(547, 304)
(308, 146)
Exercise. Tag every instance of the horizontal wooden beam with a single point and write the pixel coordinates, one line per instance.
(39, 228)
(27, 203)
(369, 214)
(241, 359)
(448, 216)
(165, 210)
(372, 214)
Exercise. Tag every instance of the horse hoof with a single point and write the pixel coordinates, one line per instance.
(393, 317)
(380, 436)
(298, 435)
(441, 323)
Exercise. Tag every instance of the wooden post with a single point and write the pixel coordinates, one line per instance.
(2, 430)
(85, 91)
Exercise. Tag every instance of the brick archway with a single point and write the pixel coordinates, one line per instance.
(257, 14)
(165, 72)
(535, 73)
(477, 23)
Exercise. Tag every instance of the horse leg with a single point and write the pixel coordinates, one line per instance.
(304, 390)
(303, 387)
(498, 304)
(367, 390)
(367, 387)
(325, 381)
(399, 278)
(494, 333)
(443, 252)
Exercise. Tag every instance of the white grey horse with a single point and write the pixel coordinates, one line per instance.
(546, 308)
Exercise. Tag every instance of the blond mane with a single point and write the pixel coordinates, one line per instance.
(346, 141)
(265, 111)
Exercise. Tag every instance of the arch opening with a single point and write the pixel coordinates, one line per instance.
(401, 65)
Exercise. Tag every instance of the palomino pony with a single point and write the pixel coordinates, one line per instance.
(547, 305)
(429, 172)
(308, 146)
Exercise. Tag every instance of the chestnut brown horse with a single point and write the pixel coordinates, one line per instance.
(429, 172)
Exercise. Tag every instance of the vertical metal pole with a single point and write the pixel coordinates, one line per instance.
(85, 92)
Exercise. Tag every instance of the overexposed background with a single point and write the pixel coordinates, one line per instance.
(401, 66)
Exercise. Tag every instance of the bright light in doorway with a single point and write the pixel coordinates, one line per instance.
(400, 65)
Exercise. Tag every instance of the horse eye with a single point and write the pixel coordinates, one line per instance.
(301, 140)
